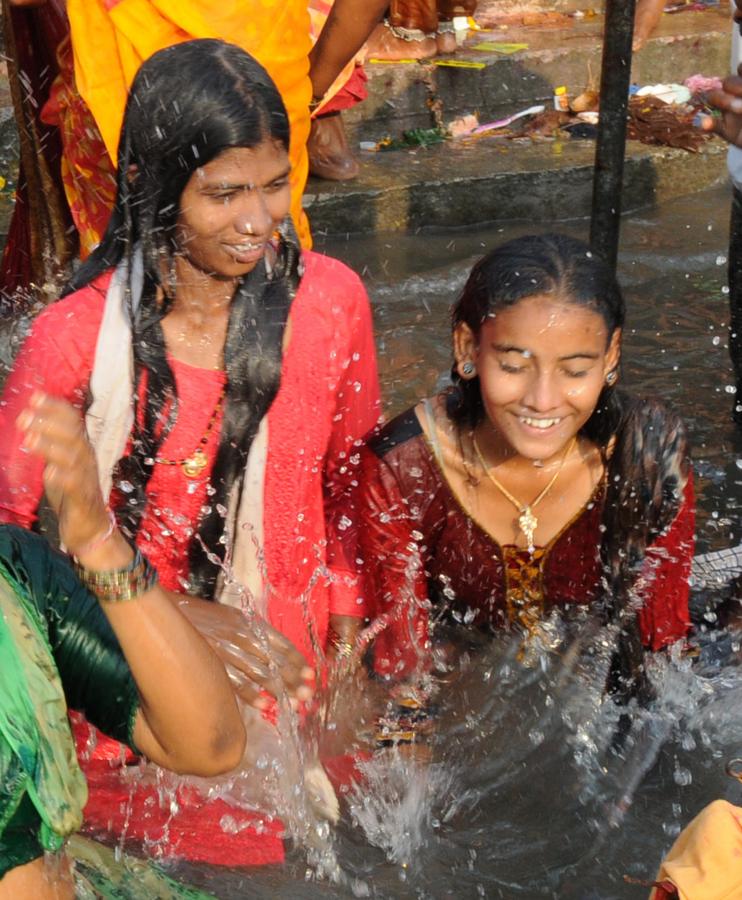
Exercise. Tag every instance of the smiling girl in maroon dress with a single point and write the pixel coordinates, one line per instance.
(533, 483)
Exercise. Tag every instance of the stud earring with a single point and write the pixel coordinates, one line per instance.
(611, 378)
(468, 368)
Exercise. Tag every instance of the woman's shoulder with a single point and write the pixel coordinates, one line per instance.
(331, 276)
(80, 312)
(401, 432)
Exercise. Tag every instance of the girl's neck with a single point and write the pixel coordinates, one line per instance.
(498, 452)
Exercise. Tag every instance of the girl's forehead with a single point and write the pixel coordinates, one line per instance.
(547, 311)
(546, 325)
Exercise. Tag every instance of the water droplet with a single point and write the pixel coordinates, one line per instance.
(721, 260)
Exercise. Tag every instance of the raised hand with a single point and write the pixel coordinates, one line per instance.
(54, 429)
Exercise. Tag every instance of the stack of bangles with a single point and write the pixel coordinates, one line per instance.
(409, 723)
(342, 647)
(117, 585)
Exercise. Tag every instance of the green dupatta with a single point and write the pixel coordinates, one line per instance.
(37, 752)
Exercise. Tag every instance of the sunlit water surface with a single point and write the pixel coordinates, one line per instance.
(528, 793)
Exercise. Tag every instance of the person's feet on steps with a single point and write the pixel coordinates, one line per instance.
(385, 44)
(330, 157)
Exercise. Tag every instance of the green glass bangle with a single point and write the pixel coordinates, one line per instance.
(118, 585)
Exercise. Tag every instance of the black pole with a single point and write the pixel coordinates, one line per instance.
(615, 79)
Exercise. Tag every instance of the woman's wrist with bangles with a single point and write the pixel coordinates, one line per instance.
(128, 581)
(110, 568)
(342, 647)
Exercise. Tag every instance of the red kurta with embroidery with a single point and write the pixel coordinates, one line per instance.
(422, 551)
(328, 399)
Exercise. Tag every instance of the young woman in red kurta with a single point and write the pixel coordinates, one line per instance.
(225, 379)
(533, 483)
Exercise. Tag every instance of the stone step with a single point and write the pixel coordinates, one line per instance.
(456, 185)
(400, 95)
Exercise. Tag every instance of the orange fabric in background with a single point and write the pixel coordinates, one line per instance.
(88, 174)
(705, 862)
(111, 38)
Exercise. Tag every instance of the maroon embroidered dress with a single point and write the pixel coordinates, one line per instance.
(423, 553)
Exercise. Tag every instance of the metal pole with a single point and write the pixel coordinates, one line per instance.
(615, 78)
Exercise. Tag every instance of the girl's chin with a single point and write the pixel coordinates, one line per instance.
(536, 445)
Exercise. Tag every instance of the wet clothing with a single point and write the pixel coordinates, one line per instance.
(425, 557)
(327, 400)
(57, 650)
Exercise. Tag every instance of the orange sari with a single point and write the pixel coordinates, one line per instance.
(111, 38)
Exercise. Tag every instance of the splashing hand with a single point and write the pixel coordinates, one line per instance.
(54, 430)
(258, 658)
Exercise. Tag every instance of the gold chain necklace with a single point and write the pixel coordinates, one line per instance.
(194, 464)
(527, 521)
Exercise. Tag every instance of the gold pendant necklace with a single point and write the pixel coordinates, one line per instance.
(192, 466)
(527, 521)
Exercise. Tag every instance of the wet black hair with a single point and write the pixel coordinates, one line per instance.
(525, 267)
(644, 446)
(188, 104)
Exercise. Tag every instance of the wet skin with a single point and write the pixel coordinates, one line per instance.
(542, 365)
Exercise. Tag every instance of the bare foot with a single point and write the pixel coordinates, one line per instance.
(648, 15)
(330, 156)
(384, 44)
(446, 42)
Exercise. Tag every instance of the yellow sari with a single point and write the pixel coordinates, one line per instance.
(111, 38)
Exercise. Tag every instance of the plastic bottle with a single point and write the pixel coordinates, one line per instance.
(561, 98)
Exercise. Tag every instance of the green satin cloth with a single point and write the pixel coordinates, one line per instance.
(57, 650)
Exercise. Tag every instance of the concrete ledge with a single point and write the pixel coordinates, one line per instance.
(453, 186)
(685, 44)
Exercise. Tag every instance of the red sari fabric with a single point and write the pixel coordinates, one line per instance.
(38, 245)
(327, 401)
(421, 550)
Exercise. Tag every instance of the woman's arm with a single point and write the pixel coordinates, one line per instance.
(188, 720)
(347, 28)
(664, 583)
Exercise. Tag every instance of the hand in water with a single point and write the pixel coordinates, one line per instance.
(729, 103)
(54, 429)
(258, 658)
